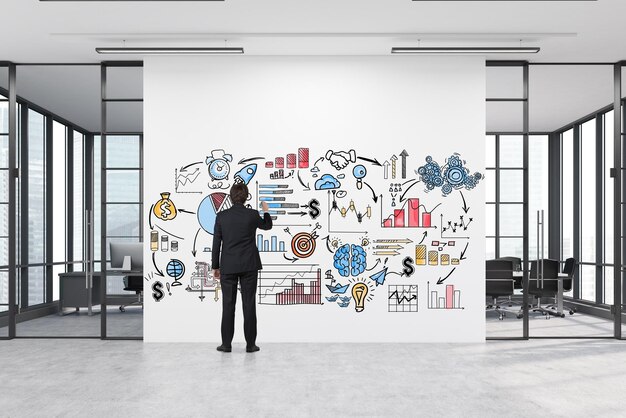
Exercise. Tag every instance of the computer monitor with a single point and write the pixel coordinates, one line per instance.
(121, 250)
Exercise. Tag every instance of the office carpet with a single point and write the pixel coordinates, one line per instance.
(93, 378)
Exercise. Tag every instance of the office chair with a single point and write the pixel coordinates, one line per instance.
(518, 284)
(499, 282)
(569, 268)
(133, 284)
(550, 285)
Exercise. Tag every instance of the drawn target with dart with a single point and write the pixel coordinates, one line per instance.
(303, 243)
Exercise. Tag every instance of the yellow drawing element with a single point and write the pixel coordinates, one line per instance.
(359, 292)
(352, 208)
(420, 255)
(445, 259)
(433, 258)
(164, 209)
(455, 261)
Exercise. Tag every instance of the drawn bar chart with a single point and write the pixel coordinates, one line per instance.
(450, 300)
(408, 216)
(269, 246)
(290, 287)
(433, 257)
(294, 160)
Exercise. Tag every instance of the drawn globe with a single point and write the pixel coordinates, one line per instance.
(175, 268)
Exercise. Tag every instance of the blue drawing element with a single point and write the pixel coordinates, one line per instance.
(359, 171)
(218, 164)
(453, 175)
(345, 299)
(379, 277)
(332, 298)
(338, 288)
(344, 302)
(245, 174)
(327, 182)
(350, 260)
(209, 207)
(175, 269)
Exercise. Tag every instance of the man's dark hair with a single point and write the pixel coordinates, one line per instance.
(239, 193)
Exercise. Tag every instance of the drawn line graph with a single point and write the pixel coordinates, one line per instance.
(402, 298)
(289, 285)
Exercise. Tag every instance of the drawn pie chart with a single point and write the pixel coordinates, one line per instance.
(210, 207)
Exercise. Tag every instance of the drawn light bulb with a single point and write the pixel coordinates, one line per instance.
(359, 292)
(359, 173)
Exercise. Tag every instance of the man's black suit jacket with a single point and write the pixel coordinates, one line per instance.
(235, 234)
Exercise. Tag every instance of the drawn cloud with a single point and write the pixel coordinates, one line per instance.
(327, 182)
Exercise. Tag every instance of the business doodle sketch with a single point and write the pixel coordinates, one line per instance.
(346, 226)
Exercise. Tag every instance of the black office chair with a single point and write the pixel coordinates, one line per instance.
(499, 283)
(569, 268)
(546, 288)
(518, 283)
(133, 284)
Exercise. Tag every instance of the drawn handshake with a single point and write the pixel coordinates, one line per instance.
(340, 159)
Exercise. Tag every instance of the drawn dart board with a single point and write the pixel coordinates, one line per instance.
(209, 208)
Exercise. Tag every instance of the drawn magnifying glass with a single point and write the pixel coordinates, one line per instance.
(359, 173)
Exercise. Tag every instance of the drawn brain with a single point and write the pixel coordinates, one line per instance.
(350, 260)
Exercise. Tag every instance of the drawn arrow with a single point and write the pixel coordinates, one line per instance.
(440, 281)
(394, 272)
(306, 186)
(463, 252)
(293, 260)
(189, 165)
(194, 243)
(369, 160)
(404, 154)
(386, 166)
(186, 211)
(169, 233)
(407, 189)
(424, 236)
(388, 247)
(150, 217)
(297, 213)
(377, 263)
(386, 253)
(465, 208)
(159, 272)
(393, 241)
(374, 196)
(247, 160)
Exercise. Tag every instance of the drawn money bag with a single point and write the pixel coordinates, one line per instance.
(164, 209)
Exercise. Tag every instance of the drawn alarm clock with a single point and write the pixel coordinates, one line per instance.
(219, 166)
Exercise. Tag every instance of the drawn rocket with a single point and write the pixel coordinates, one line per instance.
(245, 174)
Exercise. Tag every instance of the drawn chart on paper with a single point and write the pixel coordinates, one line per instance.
(290, 285)
(402, 298)
(450, 299)
(271, 245)
(411, 214)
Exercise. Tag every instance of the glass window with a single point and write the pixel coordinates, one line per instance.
(36, 206)
(511, 217)
(59, 134)
(588, 208)
(538, 176)
(512, 186)
(512, 247)
(511, 151)
(567, 244)
(78, 197)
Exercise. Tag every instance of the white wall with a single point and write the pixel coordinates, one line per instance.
(271, 106)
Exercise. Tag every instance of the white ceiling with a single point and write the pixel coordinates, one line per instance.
(34, 31)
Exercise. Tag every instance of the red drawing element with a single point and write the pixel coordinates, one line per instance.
(414, 212)
(296, 295)
(449, 296)
(279, 162)
(218, 199)
(303, 245)
(291, 160)
(398, 218)
(269, 164)
(388, 223)
(426, 219)
(303, 158)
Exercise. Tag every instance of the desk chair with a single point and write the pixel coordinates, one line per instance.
(550, 285)
(133, 284)
(569, 268)
(518, 284)
(499, 283)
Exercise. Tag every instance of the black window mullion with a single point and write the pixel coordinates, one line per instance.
(23, 210)
(576, 206)
(49, 221)
(599, 209)
(497, 172)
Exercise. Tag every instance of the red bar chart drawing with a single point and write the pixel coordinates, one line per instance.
(451, 298)
(289, 285)
(408, 216)
(292, 160)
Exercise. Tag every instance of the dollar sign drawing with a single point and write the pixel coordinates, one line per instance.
(314, 208)
(165, 207)
(408, 269)
(157, 291)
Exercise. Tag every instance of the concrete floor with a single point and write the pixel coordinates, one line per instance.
(78, 378)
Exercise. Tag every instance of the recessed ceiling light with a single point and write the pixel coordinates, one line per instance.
(171, 51)
(464, 50)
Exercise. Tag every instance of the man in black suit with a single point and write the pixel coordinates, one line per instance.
(235, 233)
